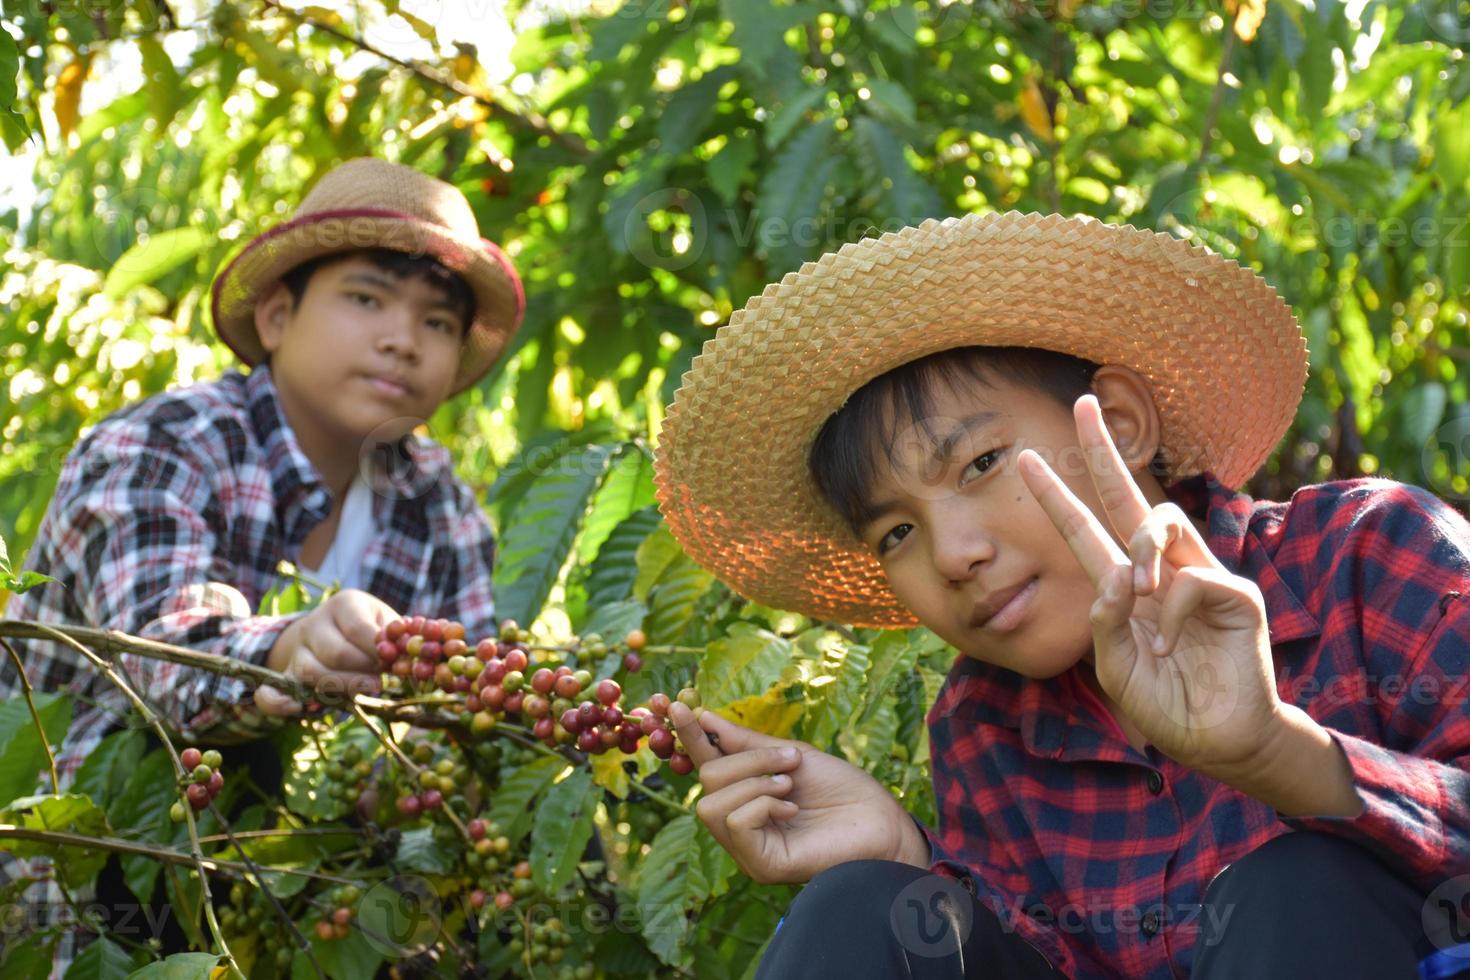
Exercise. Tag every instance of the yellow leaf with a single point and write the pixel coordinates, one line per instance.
(771, 712)
(1034, 112)
(69, 94)
(323, 15)
(1249, 15)
(420, 26)
(608, 771)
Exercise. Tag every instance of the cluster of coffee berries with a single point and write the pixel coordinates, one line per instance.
(203, 780)
(489, 847)
(660, 729)
(439, 779)
(346, 777)
(418, 650)
(336, 922)
(547, 944)
(250, 913)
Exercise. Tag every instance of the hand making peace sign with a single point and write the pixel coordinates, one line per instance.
(1205, 695)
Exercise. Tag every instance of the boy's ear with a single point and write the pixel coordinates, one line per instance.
(1130, 413)
(272, 311)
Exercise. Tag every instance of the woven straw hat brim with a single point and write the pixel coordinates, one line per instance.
(1224, 356)
(500, 300)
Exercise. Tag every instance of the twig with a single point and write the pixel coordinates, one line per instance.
(523, 737)
(281, 913)
(164, 854)
(532, 122)
(156, 724)
(410, 765)
(113, 641)
(25, 687)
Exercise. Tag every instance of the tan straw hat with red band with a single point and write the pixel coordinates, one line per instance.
(1222, 351)
(371, 203)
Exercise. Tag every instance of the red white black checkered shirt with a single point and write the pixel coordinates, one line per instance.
(169, 521)
(1099, 854)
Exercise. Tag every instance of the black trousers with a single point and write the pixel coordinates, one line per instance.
(1301, 906)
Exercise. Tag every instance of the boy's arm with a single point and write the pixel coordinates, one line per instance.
(138, 549)
(1415, 794)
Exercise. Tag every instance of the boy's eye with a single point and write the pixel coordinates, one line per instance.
(443, 326)
(371, 300)
(893, 537)
(980, 464)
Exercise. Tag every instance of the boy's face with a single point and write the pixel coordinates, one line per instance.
(959, 534)
(363, 350)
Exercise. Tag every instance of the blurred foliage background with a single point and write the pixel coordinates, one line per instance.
(649, 167)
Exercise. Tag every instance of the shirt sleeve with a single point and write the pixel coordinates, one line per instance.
(1416, 794)
(142, 543)
(1403, 724)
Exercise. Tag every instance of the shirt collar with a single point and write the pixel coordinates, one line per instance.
(302, 497)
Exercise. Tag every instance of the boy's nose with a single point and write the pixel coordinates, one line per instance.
(400, 333)
(961, 549)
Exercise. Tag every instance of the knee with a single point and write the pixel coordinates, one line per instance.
(1284, 868)
(854, 891)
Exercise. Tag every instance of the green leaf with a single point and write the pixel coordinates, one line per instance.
(534, 547)
(690, 109)
(140, 812)
(627, 490)
(746, 662)
(678, 875)
(673, 598)
(728, 169)
(26, 581)
(302, 785)
(9, 68)
(655, 552)
(22, 757)
(563, 827)
(151, 260)
(355, 956)
(32, 959)
(4, 552)
(180, 966)
(1423, 410)
(790, 197)
(418, 851)
(613, 620)
(105, 771)
(894, 654)
(103, 959)
(790, 115)
(68, 812)
(891, 100)
(882, 161)
(510, 806)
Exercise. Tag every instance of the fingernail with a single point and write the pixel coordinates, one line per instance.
(789, 754)
(1140, 578)
(1159, 643)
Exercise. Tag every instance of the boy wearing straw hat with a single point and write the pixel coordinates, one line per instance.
(374, 304)
(1188, 733)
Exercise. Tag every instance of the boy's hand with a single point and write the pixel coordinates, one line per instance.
(333, 648)
(1205, 693)
(787, 811)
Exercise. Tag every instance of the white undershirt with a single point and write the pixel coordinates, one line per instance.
(355, 532)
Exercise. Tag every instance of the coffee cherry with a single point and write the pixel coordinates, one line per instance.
(486, 650)
(212, 759)
(650, 723)
(628, 743)
(690, 697)
(632, 663)
(201, 773)
(571, 720)
(584, 678)
(176, 812)
(636, 640)
(423, 670)
(455, 648)
(588, 740)
(478, 898)
(516, 660)
(387, 652)
(588, 714)
(659, 704)
(433, 632)
(681, 763)
(409, 805)
(493, 673)
(431, 799)
(544, 729)
(542, 681)
(395, 630)
(566, 686)
(215, 784)
(608, 691)
(661, 741)
(423, 753)
(342, 916)
(325, 931)
(612, 716)
(198, 796)
(504, 900)
(513, 681)
(191, 758)
(521, 870)
(514, 702)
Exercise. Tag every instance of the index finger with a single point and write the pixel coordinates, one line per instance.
(1095, 549)
(697, 745)
(1122, 500)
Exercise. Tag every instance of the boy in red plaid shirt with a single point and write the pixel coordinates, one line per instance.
(1188, 733)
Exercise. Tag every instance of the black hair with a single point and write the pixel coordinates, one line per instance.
(400, 265)
(845, 456)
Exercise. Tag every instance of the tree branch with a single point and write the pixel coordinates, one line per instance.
(531, 122)
(25, 688)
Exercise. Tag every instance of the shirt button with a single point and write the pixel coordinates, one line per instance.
(1149, 923)
(1155, 782)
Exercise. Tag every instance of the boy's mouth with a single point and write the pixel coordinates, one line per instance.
(1003, 609)
(390, 386)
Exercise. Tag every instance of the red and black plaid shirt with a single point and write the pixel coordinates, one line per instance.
(1099, 854)
(169, 521)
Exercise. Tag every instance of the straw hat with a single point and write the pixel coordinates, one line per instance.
(371, 203)
(1224, 356)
